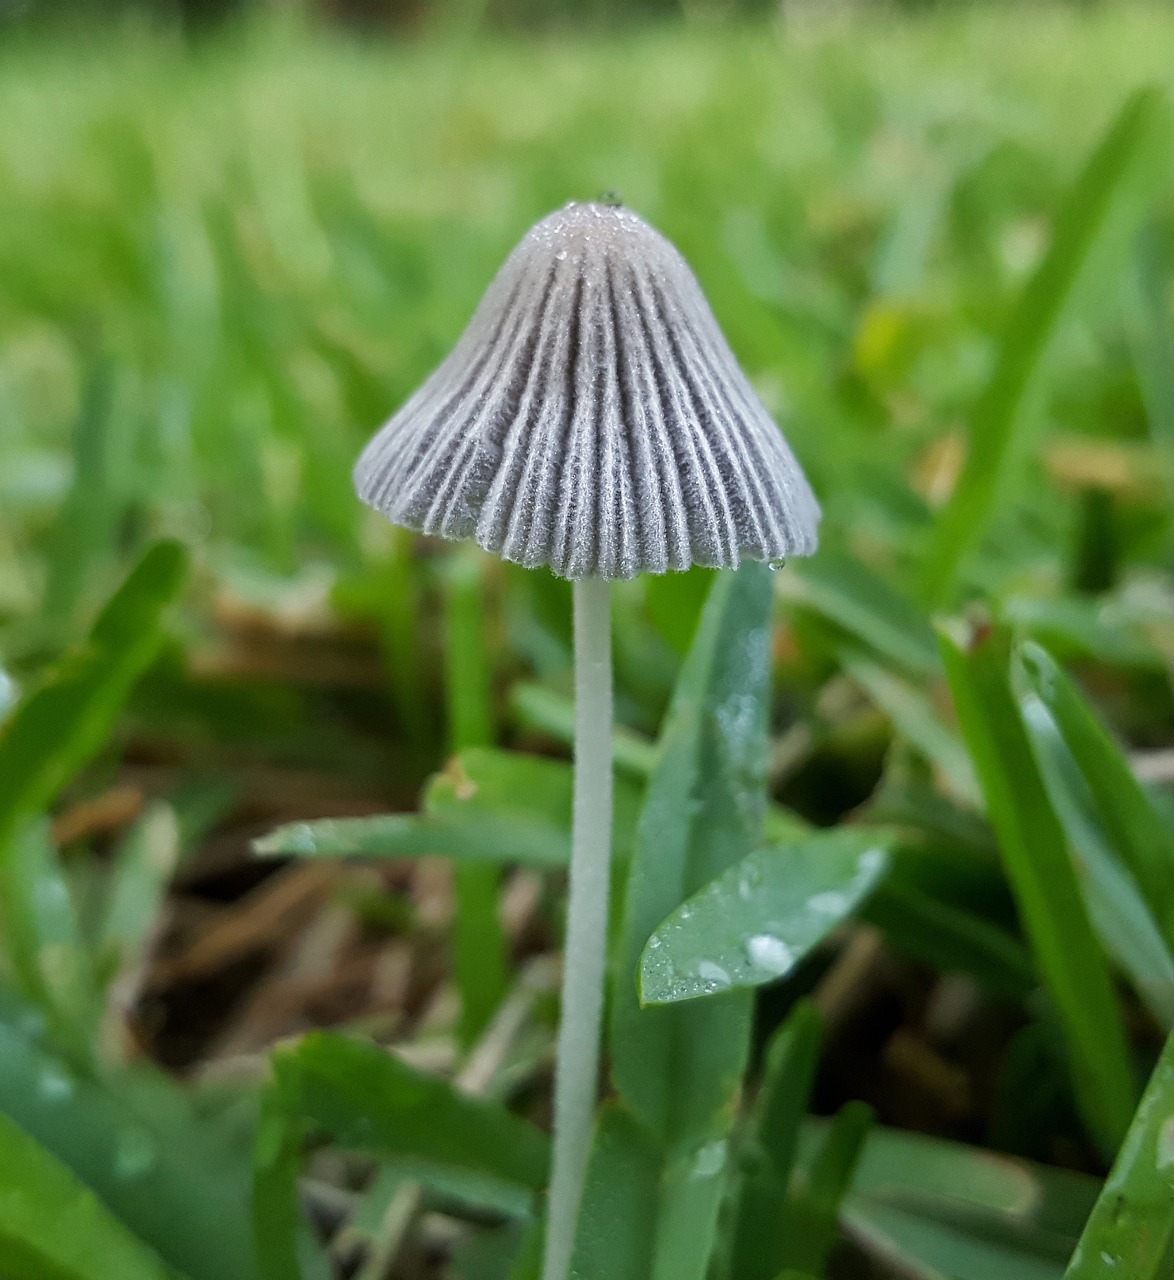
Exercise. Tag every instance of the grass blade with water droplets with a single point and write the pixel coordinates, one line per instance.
(759, 920)
(1131, 1230)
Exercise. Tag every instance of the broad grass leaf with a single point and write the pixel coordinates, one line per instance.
(1118, 910)
(703, 813)
(617, 1221)
(367, 1099)
(761, 918)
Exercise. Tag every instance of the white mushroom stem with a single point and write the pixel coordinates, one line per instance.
(585, 950)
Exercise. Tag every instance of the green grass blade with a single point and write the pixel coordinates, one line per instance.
(617, 1221)
(702, 814)
(1140, 838)
(478, 941)
(762, 917)
(554, 715)
(1131, 1230)
(951, 939)
(53, 1227)
(369, 1100)
(772, 1142)
(914, 717)
(179, 1182)
(277, 1158)
(87, 523)
(1040, 870)
(943, 1210)
(141, 872)
(812, 1218)
(858, 601)
(1002, 425)
(44, 941)
(488, 805)
(692, 1188)
(1152, 332)
(1116, 907)
(56, 728)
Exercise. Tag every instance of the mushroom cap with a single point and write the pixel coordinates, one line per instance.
(593, 418)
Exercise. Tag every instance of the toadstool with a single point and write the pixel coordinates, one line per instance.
(591, 419)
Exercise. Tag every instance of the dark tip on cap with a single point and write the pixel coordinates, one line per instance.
(592, 418)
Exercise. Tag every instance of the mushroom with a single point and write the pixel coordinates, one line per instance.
(592, 419)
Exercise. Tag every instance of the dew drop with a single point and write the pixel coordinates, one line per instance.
(55, 1085)
(561, 256)
(776, 565)
(301, 839)
(134, 1154)
(713, 975)
(709, 1161)
(769, 953)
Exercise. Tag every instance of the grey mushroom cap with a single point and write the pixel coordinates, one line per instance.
(593, 418)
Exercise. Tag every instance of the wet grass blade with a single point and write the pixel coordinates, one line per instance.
(1131, 1230)
(1041, 874)
(1138, 835)
(760, 919)
(1002, 425)
(53, 1227)
(702, 814)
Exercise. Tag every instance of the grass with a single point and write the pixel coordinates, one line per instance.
(916, 1042)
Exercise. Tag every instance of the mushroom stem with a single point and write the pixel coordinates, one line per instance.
(585, 950)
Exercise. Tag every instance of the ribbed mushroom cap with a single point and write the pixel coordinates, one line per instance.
(593, 418)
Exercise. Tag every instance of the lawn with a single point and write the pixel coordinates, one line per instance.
(942, 248)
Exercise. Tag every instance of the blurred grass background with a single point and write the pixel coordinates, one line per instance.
(221, 267)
